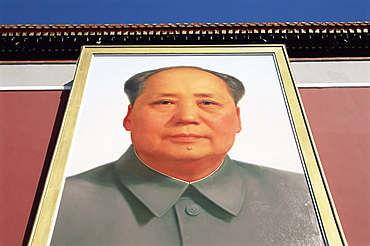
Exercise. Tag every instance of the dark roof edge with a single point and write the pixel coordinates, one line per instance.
(323, 59)
(187, 26)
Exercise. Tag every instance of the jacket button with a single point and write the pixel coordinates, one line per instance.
(193, 209)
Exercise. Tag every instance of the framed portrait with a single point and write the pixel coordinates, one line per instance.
(274, 138)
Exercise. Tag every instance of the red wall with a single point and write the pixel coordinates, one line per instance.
(29, 124)
(30, 121)
(340, 123)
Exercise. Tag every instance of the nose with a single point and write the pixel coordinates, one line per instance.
(187, 114)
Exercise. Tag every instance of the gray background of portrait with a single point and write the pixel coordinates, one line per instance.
(266, 138)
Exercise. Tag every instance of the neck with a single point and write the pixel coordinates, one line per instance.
(186, 170)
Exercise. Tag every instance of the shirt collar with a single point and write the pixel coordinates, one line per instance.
(158, 192)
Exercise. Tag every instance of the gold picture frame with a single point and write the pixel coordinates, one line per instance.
(153, 56)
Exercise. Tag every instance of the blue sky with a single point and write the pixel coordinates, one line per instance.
(180, 11)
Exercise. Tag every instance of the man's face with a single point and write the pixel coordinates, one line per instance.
(183, 114)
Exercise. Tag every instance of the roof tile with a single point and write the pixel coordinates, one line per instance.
(255, 25)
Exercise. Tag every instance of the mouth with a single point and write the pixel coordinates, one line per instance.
(184, 137)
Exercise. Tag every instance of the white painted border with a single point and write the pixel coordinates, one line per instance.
(308, 74)
(35, 88)
(331, 85)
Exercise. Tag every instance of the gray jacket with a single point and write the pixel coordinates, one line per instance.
(127, 203)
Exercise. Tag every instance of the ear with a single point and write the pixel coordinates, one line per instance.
(239, 121)
(127, 119)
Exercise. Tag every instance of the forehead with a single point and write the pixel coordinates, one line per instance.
(183, 76)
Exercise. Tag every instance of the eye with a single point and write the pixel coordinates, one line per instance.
(208, 103)
(164, 102)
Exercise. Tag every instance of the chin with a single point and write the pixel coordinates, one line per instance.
(190, 154)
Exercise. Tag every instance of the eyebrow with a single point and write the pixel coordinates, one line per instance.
(175, 94)
(204, 95)
(209, 95)
(164, 95)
